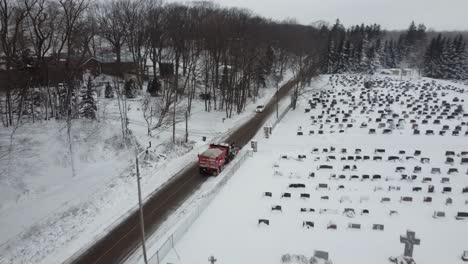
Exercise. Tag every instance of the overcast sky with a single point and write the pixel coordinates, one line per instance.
(391, 14)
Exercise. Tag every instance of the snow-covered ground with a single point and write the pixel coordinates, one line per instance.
(228, 229)
(46, 214)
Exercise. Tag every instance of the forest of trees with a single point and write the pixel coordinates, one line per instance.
(226, 54)
(446, 58)
(365, 48)
(229, 53)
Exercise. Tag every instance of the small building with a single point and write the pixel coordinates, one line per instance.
(93, 65)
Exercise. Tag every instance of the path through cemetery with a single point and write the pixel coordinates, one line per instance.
(361, 174)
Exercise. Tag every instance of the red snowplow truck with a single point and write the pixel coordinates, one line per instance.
(213, 160)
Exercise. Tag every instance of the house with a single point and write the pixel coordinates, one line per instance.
(93, 65)
(55, 70)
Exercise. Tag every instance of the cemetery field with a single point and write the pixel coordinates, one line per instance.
(348, 172)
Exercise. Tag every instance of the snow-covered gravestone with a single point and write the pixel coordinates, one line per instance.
(212, 259)
(319, 257)
(409, 240)
(266, 131)
(253, 145)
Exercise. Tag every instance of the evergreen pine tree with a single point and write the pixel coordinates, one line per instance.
(364, 60)
(88, 106)
(388, 55)
(154, 87)
(446, 60)
(225, 77)
(454, 68)
(464, 60)
(392, 55)
(331, 57)
(401, 50)
(344, 65)
(356, 58)
(130, 89)
(109, 92)
(430, 60)
(376, 62)
(378, 59)
(459, 59)
(411, 36)
(438, 60)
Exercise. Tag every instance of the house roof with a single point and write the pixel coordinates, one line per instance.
(88, 60)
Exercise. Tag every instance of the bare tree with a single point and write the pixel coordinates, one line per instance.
(161, 111)
(83, 37)
(298, 67)
(176, 26)
(42, 15)
(12, 16)
(123, 108)
(112, 25)
(157, 34)
(137, 34)
(72, 12)
(147, 111)
(192, 53)
(227, 52)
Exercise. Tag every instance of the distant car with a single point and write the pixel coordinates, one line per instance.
(465, 255)
(260, 109)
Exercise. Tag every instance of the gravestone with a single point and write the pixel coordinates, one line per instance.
(212, 259)
(253, 145)
(410, 240)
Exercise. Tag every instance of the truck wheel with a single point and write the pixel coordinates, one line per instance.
(215, 173)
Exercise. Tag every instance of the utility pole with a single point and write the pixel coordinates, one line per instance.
(186, 126)
(142, 222)
(174, 115)
(277, 89)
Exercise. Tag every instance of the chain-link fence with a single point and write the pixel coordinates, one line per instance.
(280, 117)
